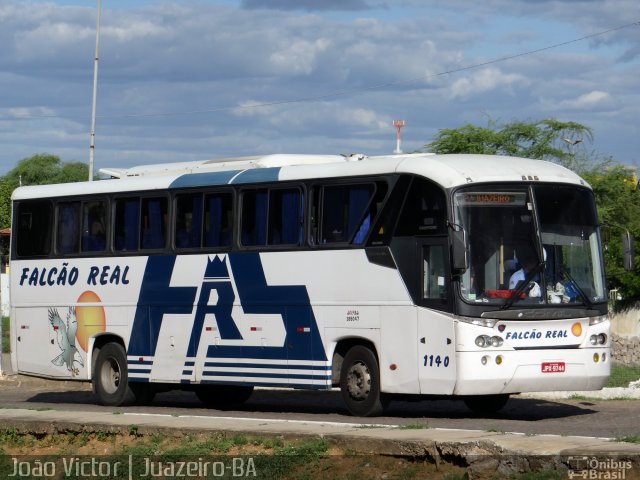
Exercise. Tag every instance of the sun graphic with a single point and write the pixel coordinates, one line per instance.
(91, 319)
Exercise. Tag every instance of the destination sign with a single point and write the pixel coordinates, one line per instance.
(491, 198)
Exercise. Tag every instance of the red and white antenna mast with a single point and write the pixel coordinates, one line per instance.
(398, 124)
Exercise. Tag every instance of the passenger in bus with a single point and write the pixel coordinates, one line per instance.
(528, 260)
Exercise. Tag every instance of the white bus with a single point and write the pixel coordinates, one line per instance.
(407, 275)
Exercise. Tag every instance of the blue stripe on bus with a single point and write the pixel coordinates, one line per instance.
(138, 362)
(263, 384)
(187, 372)
(257, 175)
(189, 364)
(264, 375)
(267, 365)
(204, 179)
(139, 370)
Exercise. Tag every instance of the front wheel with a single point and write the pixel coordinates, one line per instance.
(360, 382)
(486, 404)
(110, 376)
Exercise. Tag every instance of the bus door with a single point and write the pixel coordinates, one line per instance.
(436, 342)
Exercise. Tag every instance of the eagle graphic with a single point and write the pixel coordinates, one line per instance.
(66, 338)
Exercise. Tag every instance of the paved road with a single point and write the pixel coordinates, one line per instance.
(606, 418)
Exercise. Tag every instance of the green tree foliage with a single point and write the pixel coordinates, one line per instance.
(547, 139)
(38, 169)
(618, 201)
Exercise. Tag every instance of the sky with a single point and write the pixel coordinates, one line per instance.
(183, 80)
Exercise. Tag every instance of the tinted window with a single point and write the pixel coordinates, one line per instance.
(34, 226)
(153, 229)
(68, 227)
(218, 219)
(424, 211)
(346, 214)
(127, 224)
(286, 217)
(94, 226)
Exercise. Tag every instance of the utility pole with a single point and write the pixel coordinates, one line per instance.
(398, 124)
(92, 144)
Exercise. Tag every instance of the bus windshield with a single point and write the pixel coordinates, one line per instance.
(510, 263)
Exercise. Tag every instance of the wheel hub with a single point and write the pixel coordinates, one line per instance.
(359, 381)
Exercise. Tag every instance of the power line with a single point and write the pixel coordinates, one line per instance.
(350, 91)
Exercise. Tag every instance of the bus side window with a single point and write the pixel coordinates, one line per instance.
(188, 227)
(34, 227)
(218, 219)
(254, 217)
(127, 224)
(68, 227)
(345, 214)
(286, 217)
(424, 211)
(94, 219)
(154, 223)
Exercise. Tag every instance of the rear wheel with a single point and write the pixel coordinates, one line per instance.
(110, 376)
(486, 404)
(223, 396)
(360, 382)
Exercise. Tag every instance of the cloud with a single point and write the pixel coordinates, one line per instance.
(485, 80)
(178, 79)
(594, 99)
(308, 5)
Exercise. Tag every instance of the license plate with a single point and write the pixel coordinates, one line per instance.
(553, 367)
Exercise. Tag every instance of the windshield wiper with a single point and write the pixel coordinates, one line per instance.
(587, 302)
(515, 294)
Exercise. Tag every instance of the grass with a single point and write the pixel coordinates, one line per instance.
(6, 344)
(622, 374)
(629, 439)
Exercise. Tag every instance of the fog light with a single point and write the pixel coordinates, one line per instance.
(484, 360)
(593, 339)
(499, 360)
(602, 339)
(596, 357)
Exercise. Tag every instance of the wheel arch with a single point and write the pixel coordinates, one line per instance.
(342, 347)
(96, 343)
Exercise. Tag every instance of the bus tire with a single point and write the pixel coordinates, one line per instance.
(223, 396)
(360, 383)
(110, 376)
(486, 404)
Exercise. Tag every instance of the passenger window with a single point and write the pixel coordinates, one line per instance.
(34, 225)
(424, 211)
(218, 224)
(153, 234)
(127, 224)
(68, 227)
(188, 228)
(286, 217)
(254, 217)
(345, 213)
(94, 222)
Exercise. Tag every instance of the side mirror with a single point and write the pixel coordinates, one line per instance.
(459, 251)
(628, 251)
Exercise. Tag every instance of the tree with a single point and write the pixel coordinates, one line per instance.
(618, 201)
(547, 139)
(39, 169)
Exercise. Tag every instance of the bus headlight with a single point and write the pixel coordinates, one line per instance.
(593, 339)
(599, 339)
(484, 341)
(602, 338)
